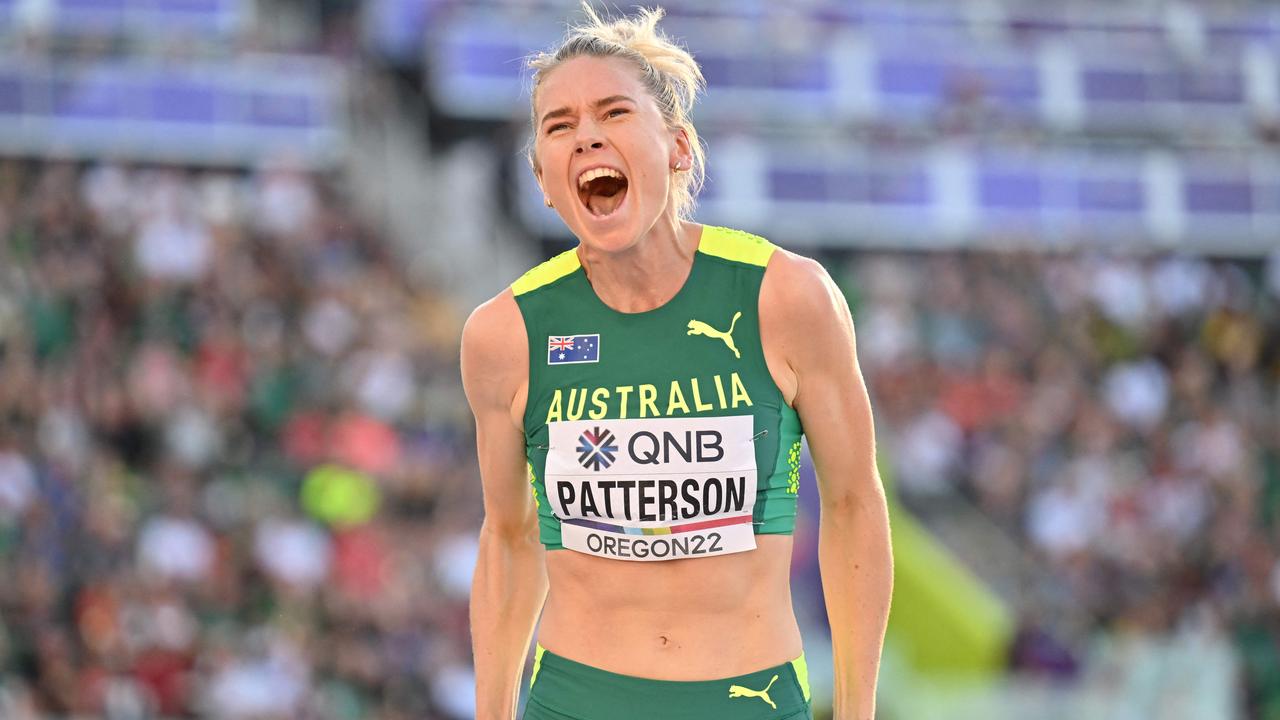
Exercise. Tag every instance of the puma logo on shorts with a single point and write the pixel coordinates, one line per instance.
(736, 691)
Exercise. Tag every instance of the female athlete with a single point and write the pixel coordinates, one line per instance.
(639, 403)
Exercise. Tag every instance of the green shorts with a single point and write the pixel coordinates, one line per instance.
(562, 689)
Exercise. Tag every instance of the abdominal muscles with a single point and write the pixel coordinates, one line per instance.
(692, 619)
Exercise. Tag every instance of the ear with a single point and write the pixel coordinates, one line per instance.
(681, 150)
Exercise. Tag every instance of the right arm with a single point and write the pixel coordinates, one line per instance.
(510, 582)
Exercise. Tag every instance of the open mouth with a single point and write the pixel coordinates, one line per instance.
(602, 190)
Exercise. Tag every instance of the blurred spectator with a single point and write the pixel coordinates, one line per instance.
(181, 351)
(1118, 415)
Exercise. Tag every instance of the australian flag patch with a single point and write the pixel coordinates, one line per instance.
(569, 349)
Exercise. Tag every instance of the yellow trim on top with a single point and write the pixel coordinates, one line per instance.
(533, 485)
(802, 674)
(736, 245)
(537, 665)
(547, 273)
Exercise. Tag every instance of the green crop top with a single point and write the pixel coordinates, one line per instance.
(661, 434)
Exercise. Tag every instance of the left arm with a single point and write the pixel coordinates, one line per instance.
(805, 322)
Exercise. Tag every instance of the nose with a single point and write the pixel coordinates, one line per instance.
(589, 137)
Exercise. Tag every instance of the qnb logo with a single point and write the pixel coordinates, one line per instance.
(596, 449)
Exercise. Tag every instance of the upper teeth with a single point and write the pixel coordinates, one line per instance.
(590, 175)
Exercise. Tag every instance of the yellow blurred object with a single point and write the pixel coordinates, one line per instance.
(944, 620)
(340, 496)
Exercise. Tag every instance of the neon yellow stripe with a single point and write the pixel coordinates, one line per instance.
(736, 245)
(537, 665)
(547, 273)
(533, 485)
(802, 674)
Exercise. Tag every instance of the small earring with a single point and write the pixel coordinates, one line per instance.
(547, 201)
(679, 166)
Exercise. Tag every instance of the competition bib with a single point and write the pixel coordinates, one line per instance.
(653, 489)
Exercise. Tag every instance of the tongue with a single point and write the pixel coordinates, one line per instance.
(602, 204)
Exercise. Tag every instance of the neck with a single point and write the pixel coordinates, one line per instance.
(647, 274)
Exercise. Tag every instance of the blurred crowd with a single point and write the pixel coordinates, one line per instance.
(237, 475)
(235, 469)
(1118, 416)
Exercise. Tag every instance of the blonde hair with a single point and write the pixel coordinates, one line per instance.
(668, 72)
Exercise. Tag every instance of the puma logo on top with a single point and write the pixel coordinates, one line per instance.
(697, 327)
(740, 691)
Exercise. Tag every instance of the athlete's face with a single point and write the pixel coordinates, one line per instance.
(604, 155)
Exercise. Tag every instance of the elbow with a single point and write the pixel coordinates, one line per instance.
(510, 532)
(854, 501)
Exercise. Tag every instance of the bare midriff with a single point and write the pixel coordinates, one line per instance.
(692, 619)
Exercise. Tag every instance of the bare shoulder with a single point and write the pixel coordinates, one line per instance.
(496, 323)
(495, 352)
(799, 298)
(805, 328)
(790, 265)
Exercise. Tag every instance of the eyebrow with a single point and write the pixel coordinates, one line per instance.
(561, 112)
